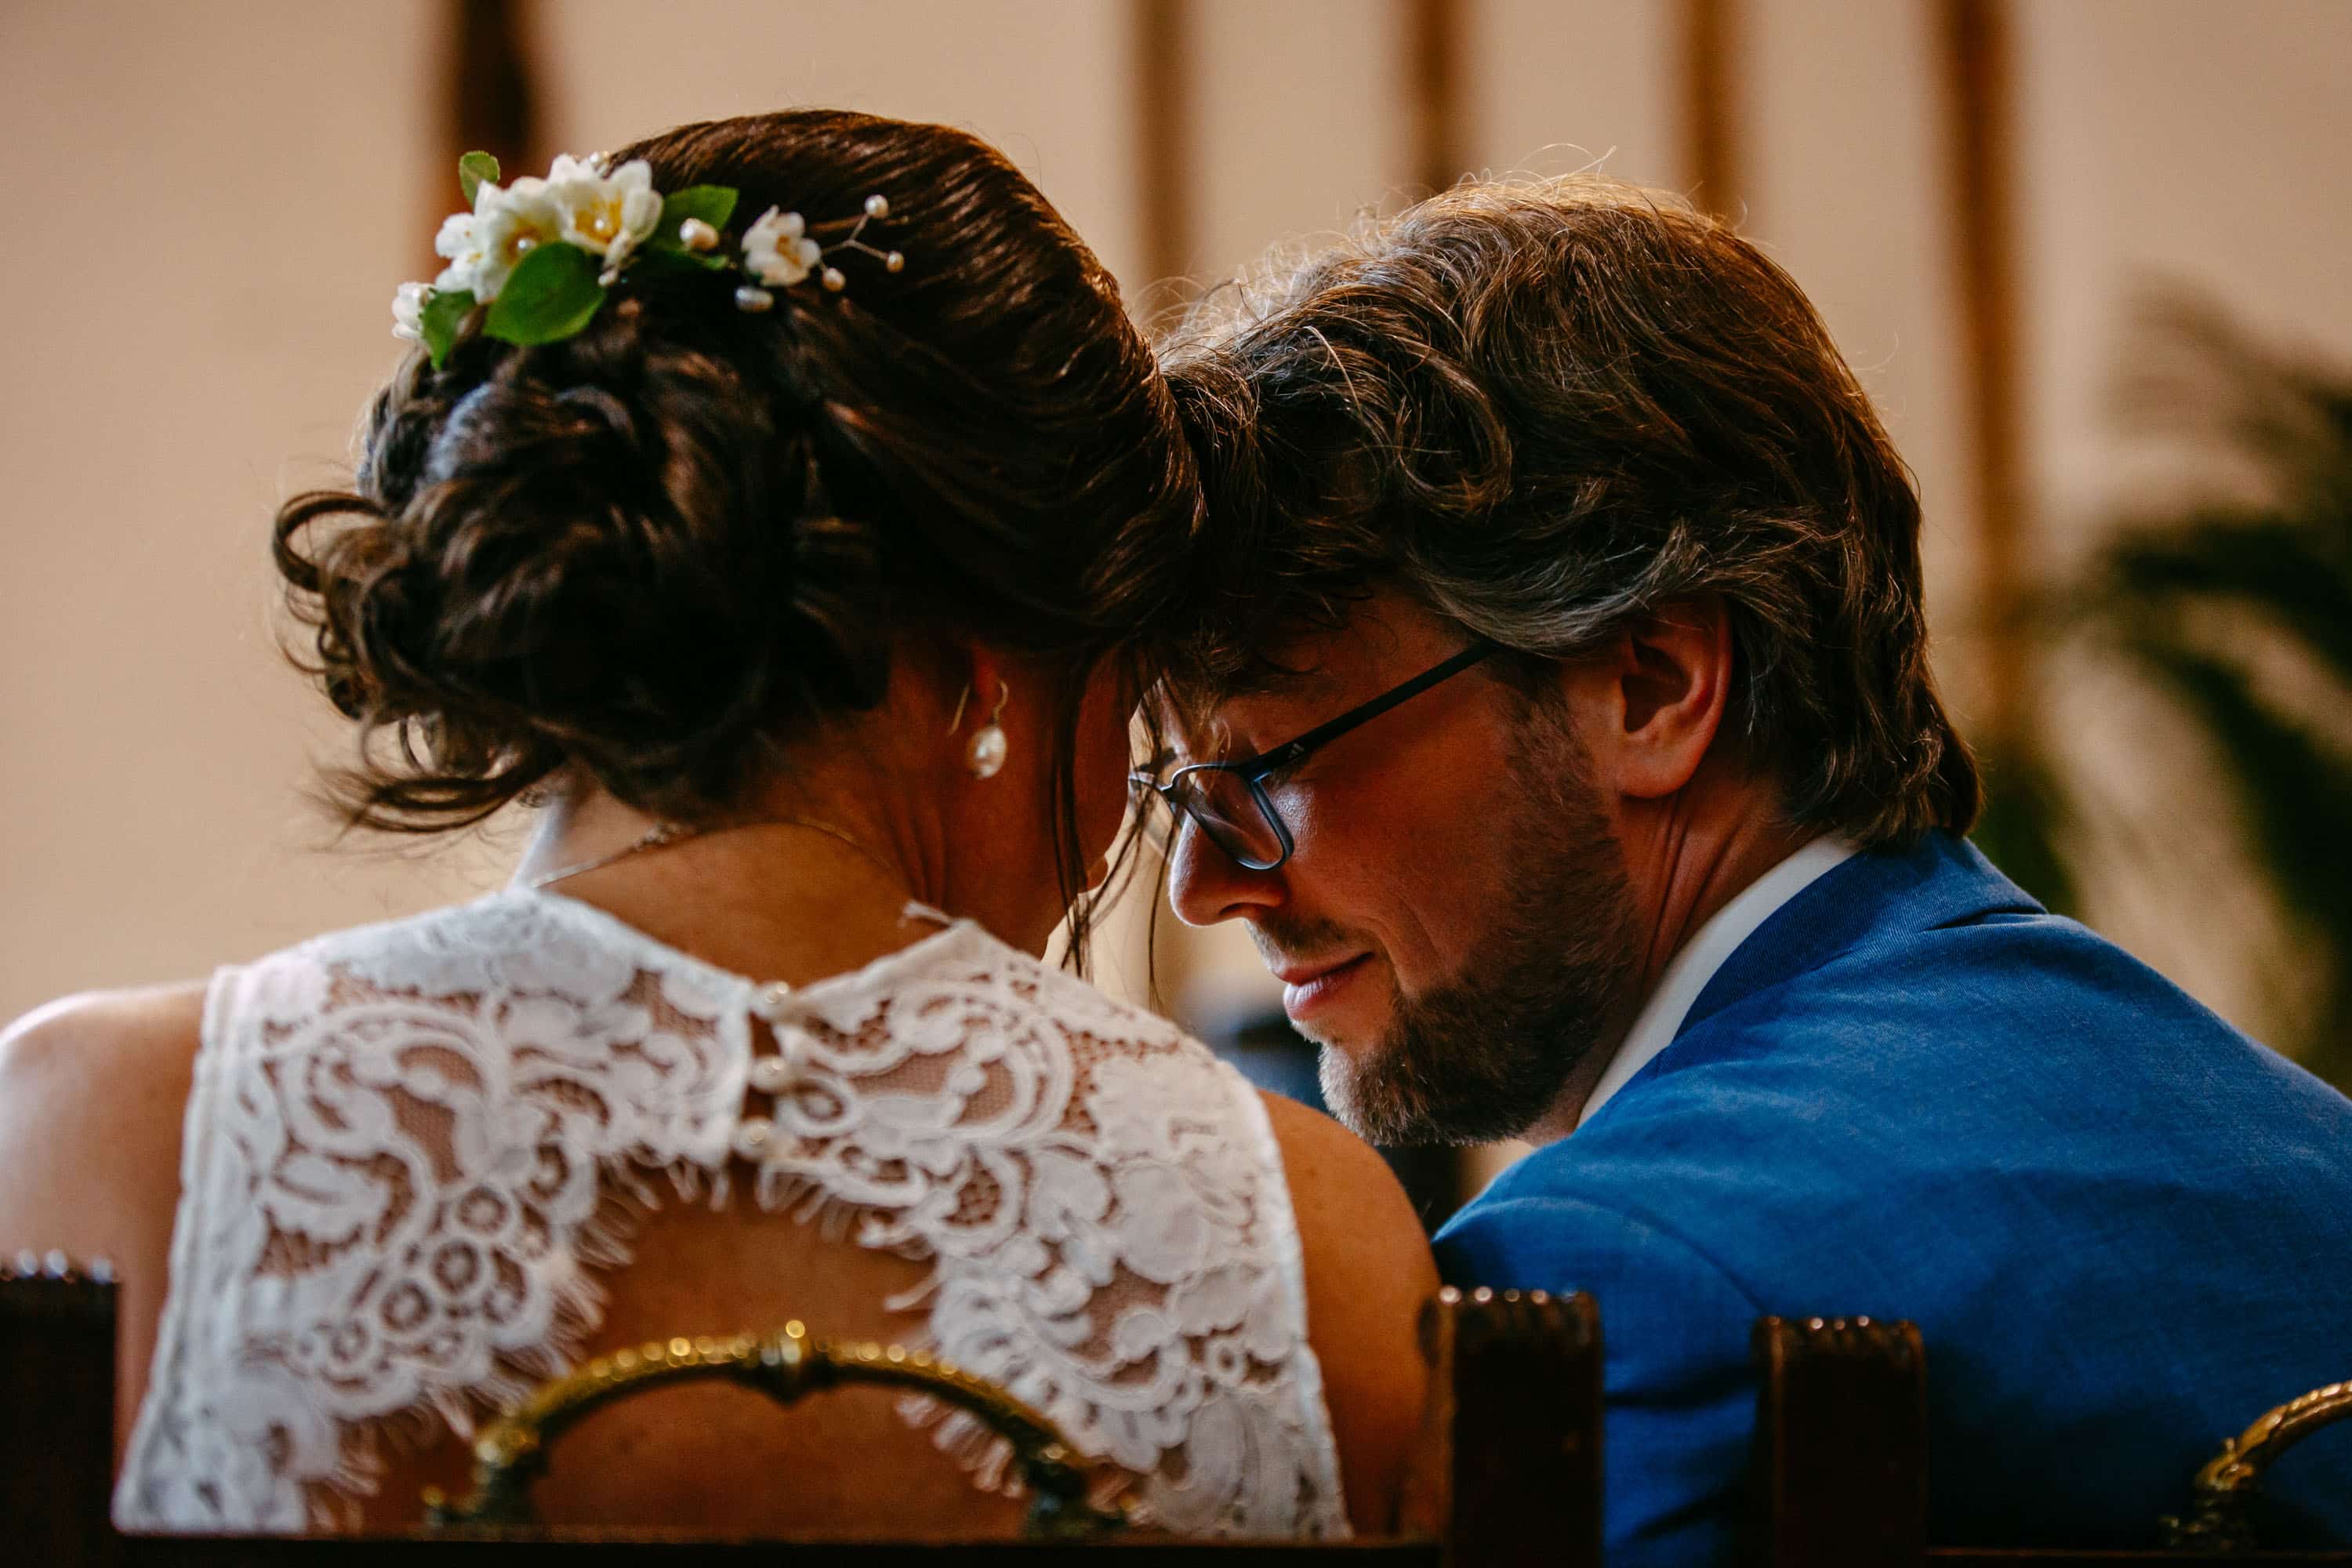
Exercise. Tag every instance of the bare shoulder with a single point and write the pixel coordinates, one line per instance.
(92, 1092)
(1349, 1203)
(1368, 1272)
(104, 1062)
(141, 1012)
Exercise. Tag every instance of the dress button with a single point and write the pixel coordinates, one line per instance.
(771, 1075)
(752, 1136)
(769, 1000)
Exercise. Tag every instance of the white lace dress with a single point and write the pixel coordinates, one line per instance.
(412, 1148)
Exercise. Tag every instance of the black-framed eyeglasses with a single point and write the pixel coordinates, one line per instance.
(1228, 801)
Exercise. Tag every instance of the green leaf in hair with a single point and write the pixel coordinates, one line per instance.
(549, 296)
(712, 205)
(659, 258)
(438, 325)
(476, 170)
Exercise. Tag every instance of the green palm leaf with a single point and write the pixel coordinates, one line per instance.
(2186, 596)
(2262, 563)
(2296, 794)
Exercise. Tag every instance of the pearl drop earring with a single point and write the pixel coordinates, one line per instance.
(989, 747)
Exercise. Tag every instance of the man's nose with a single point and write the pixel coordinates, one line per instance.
(1206, 885)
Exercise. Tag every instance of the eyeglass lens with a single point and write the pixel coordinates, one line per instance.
(1225, 808)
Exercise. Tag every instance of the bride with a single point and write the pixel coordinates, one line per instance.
(785, 506)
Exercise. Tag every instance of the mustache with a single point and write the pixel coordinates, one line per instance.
(1279, 938)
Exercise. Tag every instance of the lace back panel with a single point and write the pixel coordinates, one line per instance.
(411, 1150)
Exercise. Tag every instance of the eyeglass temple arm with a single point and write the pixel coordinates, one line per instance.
(1266, 762)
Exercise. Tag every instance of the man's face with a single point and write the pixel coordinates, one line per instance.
(1453, 924)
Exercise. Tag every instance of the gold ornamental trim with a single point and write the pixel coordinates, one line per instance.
(2220, 1517)
(785, 1364)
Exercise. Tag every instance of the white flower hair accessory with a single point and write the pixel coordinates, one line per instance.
(777, 249)
(532, 262)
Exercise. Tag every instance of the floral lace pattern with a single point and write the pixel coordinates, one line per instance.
(410, 1148)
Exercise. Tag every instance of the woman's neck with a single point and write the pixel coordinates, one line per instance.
(775, 894)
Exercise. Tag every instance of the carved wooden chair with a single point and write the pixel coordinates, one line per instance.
(1508, 1471)
(1840, 1474)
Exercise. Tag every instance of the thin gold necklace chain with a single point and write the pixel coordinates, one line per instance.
(662, 835)
(659, 835)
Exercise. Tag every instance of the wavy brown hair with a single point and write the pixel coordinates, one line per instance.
(1545, 410)
(657, 553)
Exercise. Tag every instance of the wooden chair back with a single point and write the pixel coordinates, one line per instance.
(1839, 1476)
(1508, 1471)
(57, 1413)
(1840, 1470)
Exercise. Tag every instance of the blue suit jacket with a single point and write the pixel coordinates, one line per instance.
(2124, 1229)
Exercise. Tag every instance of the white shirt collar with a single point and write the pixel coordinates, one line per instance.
(1690, 969)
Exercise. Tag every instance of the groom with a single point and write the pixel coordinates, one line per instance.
(1558, 720)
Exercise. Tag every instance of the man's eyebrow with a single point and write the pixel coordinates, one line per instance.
(1284, 682)
(1201, 711)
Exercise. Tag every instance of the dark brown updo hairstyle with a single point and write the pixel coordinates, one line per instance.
(654, 553)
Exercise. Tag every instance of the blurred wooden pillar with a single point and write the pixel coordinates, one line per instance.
(1433, 91)
(489, 96)
(1165, 142)
(1710, 104)
(1979, 135)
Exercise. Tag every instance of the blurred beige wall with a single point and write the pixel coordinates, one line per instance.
(1044, 79)
(220, 199)
(216, 203)
(2171, 142)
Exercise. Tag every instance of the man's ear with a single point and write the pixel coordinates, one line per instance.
(1659, 692)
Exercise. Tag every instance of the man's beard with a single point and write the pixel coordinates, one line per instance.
(1486, 1055)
